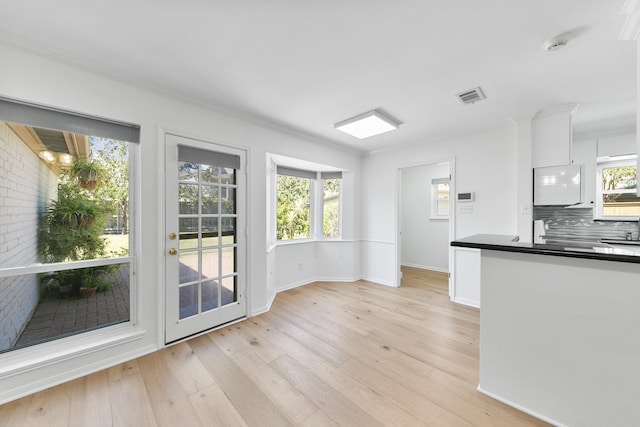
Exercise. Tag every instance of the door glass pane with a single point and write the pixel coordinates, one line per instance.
(209, 295)
(210, 268)
(228, 176)
(188, 198)
(188, 301)
(188, 267)
(188, 233)
(210, 174)
(228, 260)
(228, 200)
(209, 231)
(229, 290)
(187, 171)
(228, 231)
(209, 200)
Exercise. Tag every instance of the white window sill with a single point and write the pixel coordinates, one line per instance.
(45, 354)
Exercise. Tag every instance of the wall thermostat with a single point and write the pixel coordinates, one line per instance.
(465, 197)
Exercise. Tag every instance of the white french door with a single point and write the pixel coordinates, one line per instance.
(205, 242)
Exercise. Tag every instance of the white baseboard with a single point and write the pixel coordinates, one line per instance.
(289, 286)
(521, 408)
(463, 301)
(378, 281)
(425, 267)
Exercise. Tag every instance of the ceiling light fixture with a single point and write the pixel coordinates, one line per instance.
(557, 42)
(63, 159)
(368, 124)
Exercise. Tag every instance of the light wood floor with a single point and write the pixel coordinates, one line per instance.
(326, 354)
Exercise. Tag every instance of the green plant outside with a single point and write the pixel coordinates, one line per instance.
(71, 230)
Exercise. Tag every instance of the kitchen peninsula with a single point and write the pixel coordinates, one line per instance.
(559, 329)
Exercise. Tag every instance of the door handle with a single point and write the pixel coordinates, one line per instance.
(173, 251)
(173, 236)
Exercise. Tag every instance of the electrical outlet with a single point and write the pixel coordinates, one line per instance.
(467, 208)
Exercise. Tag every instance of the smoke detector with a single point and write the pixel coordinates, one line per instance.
(471, 96)
(555, 43)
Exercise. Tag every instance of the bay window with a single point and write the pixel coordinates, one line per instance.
(307, 204)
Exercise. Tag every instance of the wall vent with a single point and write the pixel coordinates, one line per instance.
(471, 96)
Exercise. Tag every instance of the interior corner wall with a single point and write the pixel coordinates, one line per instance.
(485, 163)
(298, 263)
(524, 204)
(425, 240)
(40, 80)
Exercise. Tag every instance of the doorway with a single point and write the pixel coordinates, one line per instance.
(425, 218)
(205, 243)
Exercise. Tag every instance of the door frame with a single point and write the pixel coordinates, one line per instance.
(243, 252)
(452, 219)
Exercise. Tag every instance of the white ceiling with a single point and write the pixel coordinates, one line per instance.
(307, 65)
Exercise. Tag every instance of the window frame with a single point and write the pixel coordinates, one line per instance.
(321, 207)
(87, 341)
(435, 198)
(312, 213)
(316, 212)
(608, 162)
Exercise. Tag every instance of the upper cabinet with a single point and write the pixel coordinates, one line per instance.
(584, 152)
(631, 31)
(551, 133)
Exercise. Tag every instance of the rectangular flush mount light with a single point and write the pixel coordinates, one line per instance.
(368, 124)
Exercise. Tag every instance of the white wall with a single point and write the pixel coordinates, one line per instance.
(485, 163)
(524, 179)
(36, 79)
(425, 241)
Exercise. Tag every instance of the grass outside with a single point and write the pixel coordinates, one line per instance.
(117, 242)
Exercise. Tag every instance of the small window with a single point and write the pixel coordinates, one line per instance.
(617, 196)
(331, 207)
(293, 205)
(440, 198)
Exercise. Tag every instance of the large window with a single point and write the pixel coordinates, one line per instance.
(308, 204)
(617, 196)
(65, 251)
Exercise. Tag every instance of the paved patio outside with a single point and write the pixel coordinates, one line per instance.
(57, 318)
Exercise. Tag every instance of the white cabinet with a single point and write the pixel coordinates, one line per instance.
(617, 145)
(551, 132)
(466, 276)
(584, 153)
(557, 185)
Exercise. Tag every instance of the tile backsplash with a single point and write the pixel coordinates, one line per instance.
(578, 224)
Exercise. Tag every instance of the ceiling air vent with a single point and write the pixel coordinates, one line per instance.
(470, 96)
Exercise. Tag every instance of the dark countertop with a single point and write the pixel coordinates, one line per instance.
(567, 248)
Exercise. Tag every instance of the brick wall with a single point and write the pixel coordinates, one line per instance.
(26, 186)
